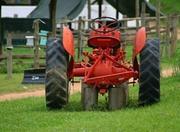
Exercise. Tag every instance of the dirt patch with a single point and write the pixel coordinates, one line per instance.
(74, 88)
(167, 72)
(36, 93)
(13, 96)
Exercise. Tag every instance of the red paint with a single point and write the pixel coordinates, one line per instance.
(104, 40)
(140, 41)
(106, 65)
(106, 69)
(68, 44)
(68, 41)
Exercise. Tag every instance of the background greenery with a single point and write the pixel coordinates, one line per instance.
(169, 6)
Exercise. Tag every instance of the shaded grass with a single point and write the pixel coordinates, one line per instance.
(14, 84)
(31, 114)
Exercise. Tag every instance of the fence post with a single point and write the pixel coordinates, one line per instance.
(168, 30)
(9, 56)
(158, 4)
(137, 13)
(147, 22)
(79, 43)
(36, 43)
(125, 26)
(143, 14)
(158, 18)
(89, 12)
(82, 36)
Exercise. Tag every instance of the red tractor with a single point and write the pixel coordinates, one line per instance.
(105, 70)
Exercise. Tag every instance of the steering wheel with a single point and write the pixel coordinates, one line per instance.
(102, 24)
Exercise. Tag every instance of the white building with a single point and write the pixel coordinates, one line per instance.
(16, 11)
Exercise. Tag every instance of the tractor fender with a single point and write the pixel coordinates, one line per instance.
(68, 41)
(140, 41)
(68, 44)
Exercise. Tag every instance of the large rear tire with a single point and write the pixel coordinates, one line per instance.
(89, 96)
(56, 84)
(118, 96)
(149, 91)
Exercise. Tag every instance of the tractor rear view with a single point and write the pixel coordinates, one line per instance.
(105, 69)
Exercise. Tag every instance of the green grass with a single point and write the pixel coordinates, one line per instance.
(129, 52)
(14, 84)
(169, 6)
(17, 50)
(176, 59)
(31, 115)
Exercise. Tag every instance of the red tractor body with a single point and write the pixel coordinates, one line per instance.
(103, 70)
(106, 65)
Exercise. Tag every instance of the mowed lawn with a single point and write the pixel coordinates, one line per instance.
(31, 114)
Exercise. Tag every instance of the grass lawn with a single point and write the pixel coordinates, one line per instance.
(14, 84)
(31, 114)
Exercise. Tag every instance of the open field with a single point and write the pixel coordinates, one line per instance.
(31, 115)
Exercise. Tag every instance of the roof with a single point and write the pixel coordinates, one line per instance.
(65, 8)
(23, 24)
(72, 8)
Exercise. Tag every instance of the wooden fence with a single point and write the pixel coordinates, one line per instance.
(165, 29)
(10, 57)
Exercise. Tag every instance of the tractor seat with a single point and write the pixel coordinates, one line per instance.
(104, 40)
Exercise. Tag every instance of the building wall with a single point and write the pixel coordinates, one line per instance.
(17, 1)
(10, 11)
(107, 10)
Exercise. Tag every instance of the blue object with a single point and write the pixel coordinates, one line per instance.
(43, 37)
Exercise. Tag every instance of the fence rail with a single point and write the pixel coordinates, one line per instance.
(167, 33)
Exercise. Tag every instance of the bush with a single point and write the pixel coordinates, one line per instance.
(176, 61)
